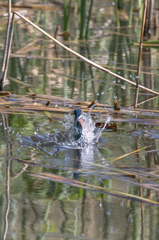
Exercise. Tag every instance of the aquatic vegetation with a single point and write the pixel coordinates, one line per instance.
(66, 16)
(67, 171)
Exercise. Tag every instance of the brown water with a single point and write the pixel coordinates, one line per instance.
(36, 208)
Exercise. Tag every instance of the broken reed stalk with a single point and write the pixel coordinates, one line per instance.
(144, 101)
(140, 52)
(6, 46)
(9, 48)
(84, 58)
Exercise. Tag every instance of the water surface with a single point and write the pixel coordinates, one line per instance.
(33, 207)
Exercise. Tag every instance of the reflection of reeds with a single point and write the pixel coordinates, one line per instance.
(95, 188)
(88, 19)
(115, 171)
(117, 14)
(82, 17)
(140, 52)
(150, 18)
(7, 199)
(83, 58)
(8, 167)
(131, 12)
(66, 17)
(82, 13)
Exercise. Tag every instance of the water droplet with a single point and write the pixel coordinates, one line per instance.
(108, 213)
(123, 87)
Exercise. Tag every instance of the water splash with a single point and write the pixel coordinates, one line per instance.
(89, 136)
(65, 137)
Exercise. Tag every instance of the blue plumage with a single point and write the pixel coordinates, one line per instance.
(77, 124)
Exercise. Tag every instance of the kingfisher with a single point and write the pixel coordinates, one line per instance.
(84, 127)
(77, 124)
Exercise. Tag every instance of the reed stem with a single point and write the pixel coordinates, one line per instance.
(83, 18)
(84, 58)
(88, 19)
(67, 10)
(7, 46)
(131, 12)
(140, 53)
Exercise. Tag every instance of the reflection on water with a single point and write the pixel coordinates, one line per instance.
(36, 208)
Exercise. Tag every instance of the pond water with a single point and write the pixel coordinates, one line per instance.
(40, 194)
